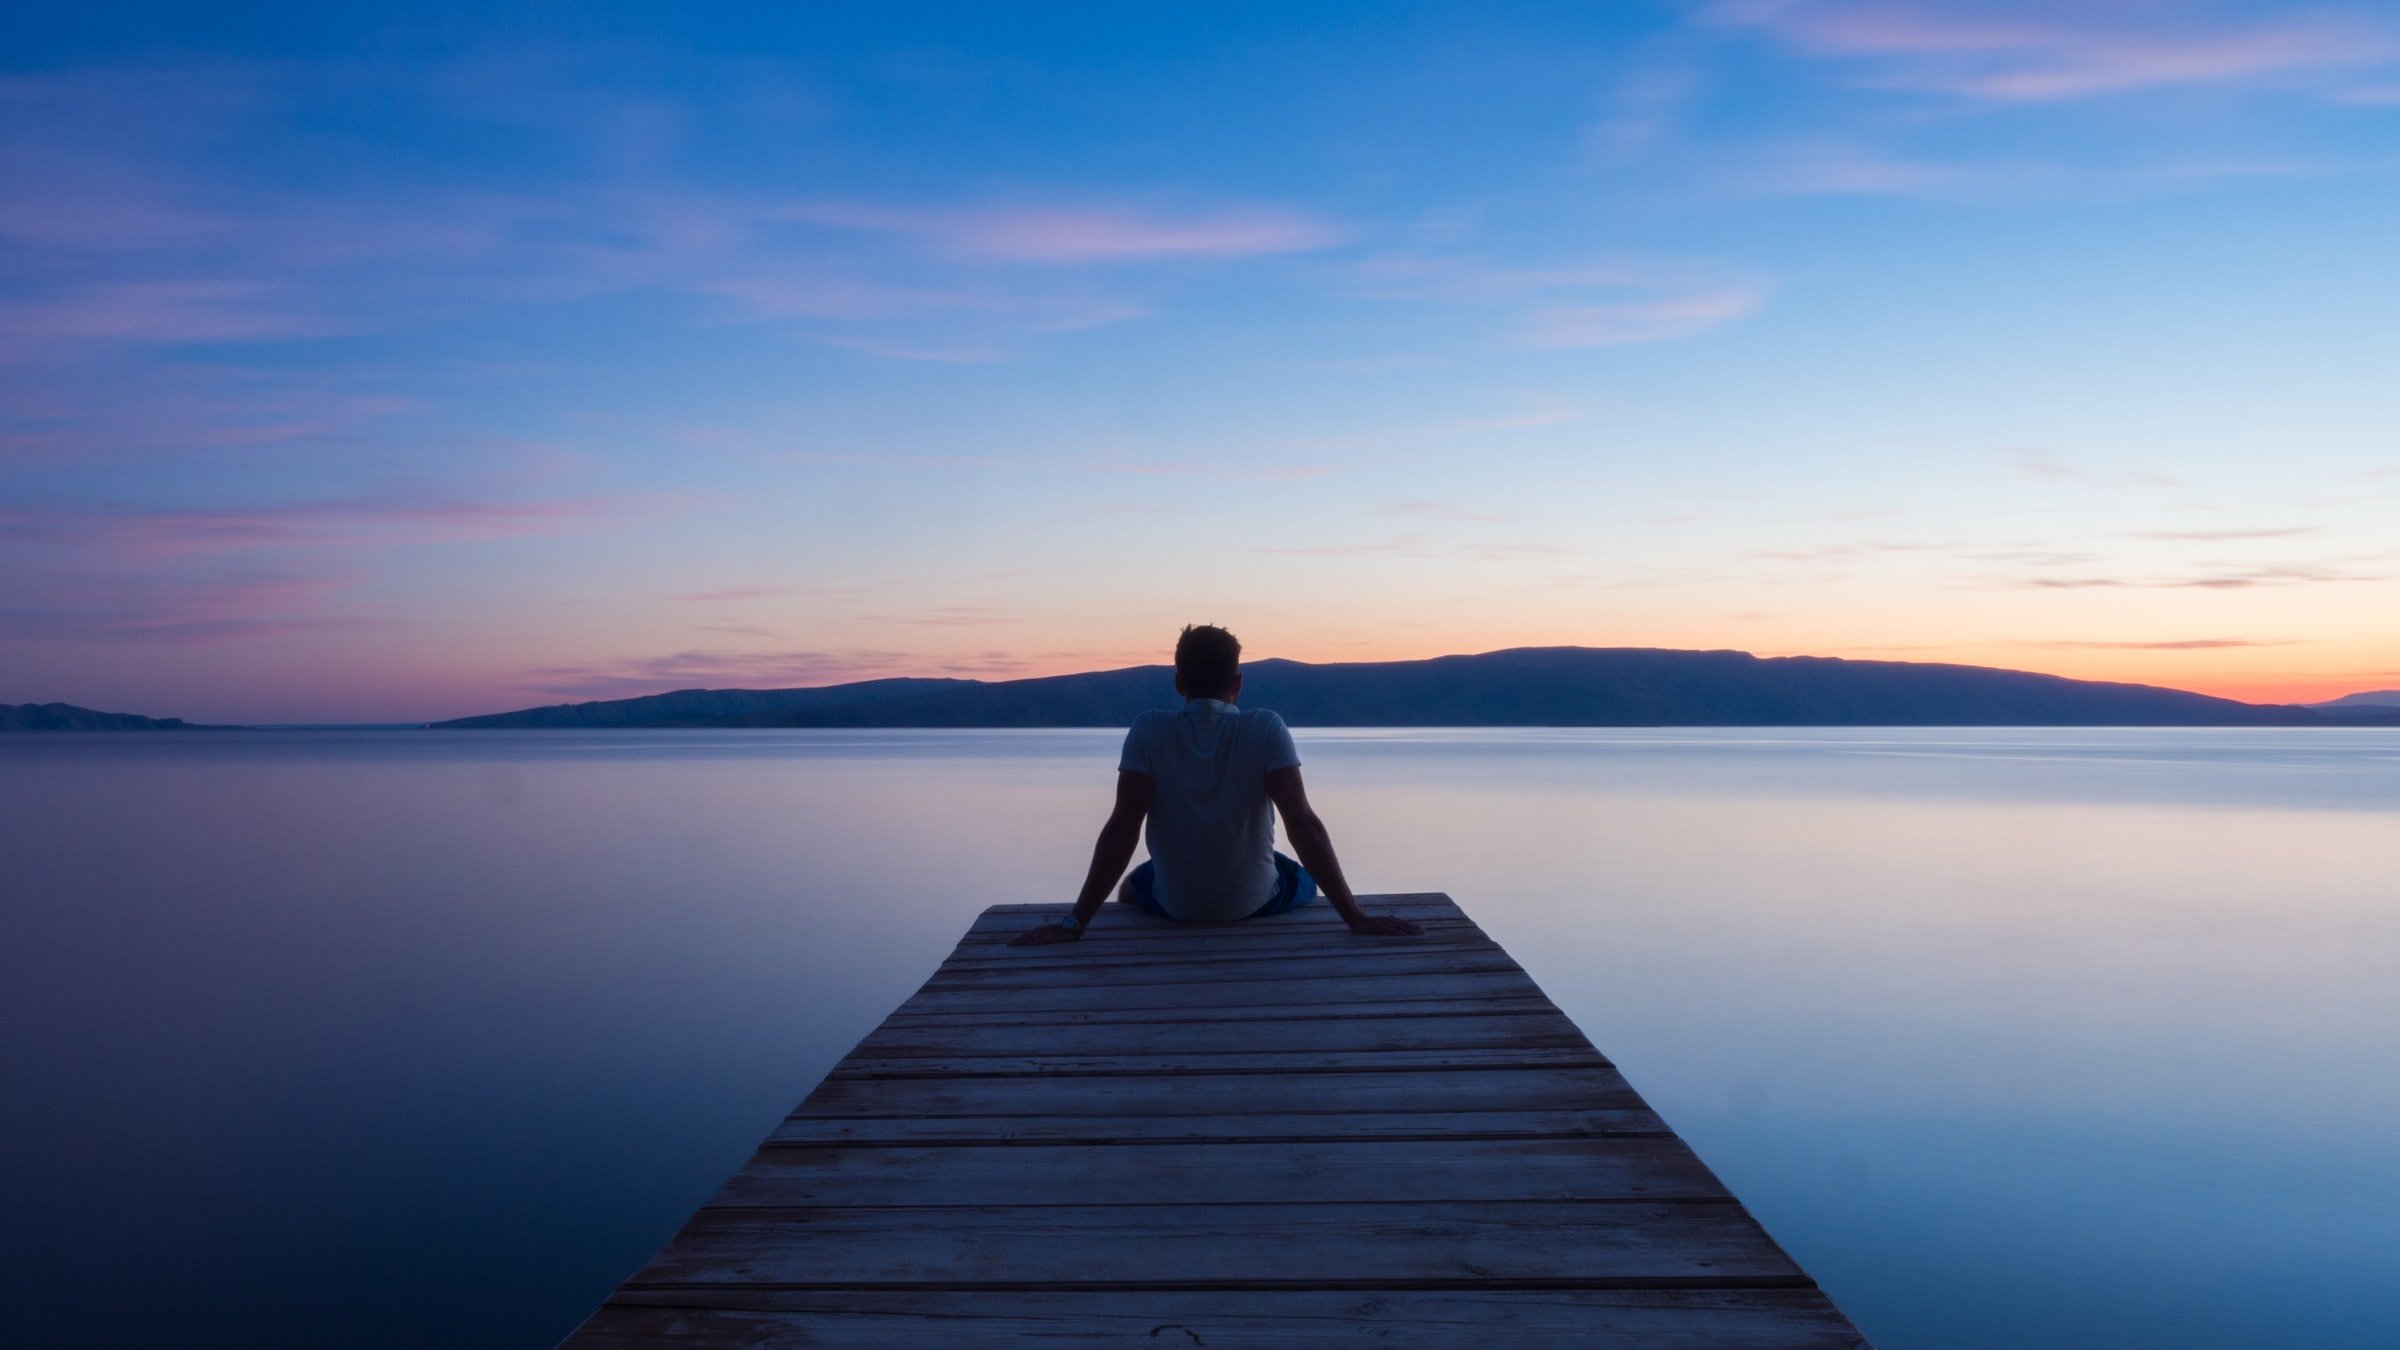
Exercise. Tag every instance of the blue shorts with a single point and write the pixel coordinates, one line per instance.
(1294, 887)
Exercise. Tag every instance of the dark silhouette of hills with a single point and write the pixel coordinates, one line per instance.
(68, 717)
(1534, 686)
(705, 707)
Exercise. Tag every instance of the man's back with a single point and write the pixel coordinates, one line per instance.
(1211, 827)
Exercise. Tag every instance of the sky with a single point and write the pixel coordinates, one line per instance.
(385, 364)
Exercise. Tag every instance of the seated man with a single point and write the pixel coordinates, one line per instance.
(1205, 777)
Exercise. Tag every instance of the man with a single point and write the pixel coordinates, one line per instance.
(1209, 778)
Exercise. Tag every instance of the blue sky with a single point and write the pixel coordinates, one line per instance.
(401, 364)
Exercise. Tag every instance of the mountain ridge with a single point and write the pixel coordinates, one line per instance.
(2367, 703)
(69, 717)
(1524, 686)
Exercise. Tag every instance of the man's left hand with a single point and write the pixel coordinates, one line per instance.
(1045, 935)
(1384, 925)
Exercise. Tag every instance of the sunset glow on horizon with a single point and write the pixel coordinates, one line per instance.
(361, 369)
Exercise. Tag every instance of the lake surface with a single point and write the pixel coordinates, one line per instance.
(421, 1038)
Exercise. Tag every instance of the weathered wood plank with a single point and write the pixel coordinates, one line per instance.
(1158, 935)
(1538, 1028)
(1225, 1062)
(1359, 1009)
(1147, 929)
(1008, 920)
(1173, 1094)
(1691, 1243)
(1267, 967)
(1140, 1130)
(716, 1319)
(1379, 899)
(1178, 1129)
(1104, 954)
(1275, 993)
(1654, 1167)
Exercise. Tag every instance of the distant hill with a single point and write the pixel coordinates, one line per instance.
(1535, 686)
(68, 717)
(703, 707)
(2373, 703)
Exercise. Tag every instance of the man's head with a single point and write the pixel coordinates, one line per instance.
(1208, 663)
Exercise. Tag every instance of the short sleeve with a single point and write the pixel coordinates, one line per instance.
(1135, 758)
(1275, 742)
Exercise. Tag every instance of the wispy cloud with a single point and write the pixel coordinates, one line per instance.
(787, 669)
(2219, 536)
(1423, 546)
(1452, 511)
(1230, 468)
(366, 521)
(1847, 552)
(187, 606)
(1637, 321)
(728, 594)
(1830, 168)
(2038, 464)
(1602, 303)
(2049, 52)
(2169, 645)
(1044, 233)
(2234, 579)
(947, 616)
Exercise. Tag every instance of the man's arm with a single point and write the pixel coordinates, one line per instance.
(1109, 857)
(1314, 843)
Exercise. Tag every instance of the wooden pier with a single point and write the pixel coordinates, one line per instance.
(1275, 1133)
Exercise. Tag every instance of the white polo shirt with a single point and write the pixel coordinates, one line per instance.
(1212, 829)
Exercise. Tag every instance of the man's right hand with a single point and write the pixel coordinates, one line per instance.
(1383, 925)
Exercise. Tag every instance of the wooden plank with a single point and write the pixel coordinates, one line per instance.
(1008, 920)
(1145, 928)
(1395, 900)
(1101, 953)
(1214, 1062)
(1348, 1009)
(1692, 1244)
(1174, 1094)
(1156, 934)
(1489, 1031)
(1266, 967)
(1254, 1172)
(718, 1319)
(1180, 1129)
(1073, 996)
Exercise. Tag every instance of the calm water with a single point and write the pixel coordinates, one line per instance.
(2012, 1038)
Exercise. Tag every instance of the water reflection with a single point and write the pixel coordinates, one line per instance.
(399, 1038)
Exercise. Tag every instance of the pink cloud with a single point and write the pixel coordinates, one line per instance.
(1599, 303)
(1080, 234)
(704, 669)
(164, 311)
(1834, 170)
(2048, 53)
(727, 593)
(1638, 321)
(366, 521)
(178, 607)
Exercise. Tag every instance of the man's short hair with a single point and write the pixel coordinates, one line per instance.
(1207, 660)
